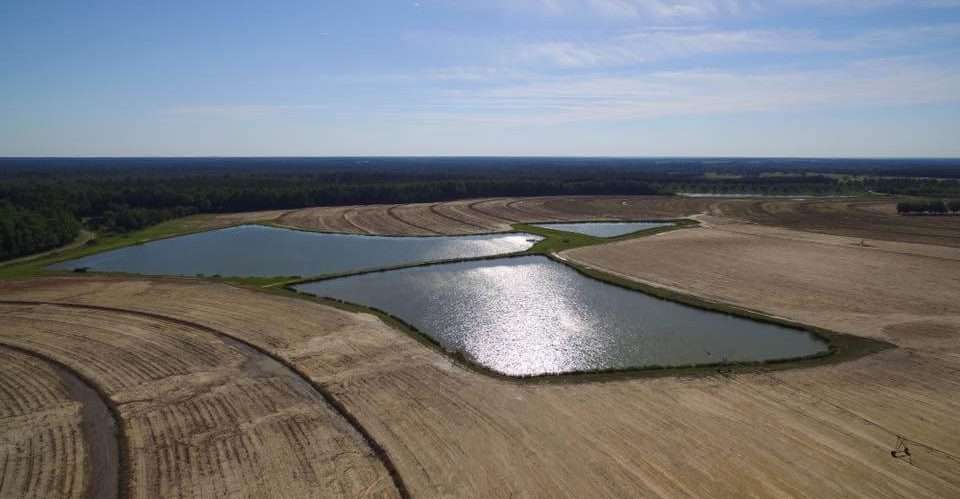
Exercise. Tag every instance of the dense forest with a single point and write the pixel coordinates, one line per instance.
(24, 231)
(44, 201)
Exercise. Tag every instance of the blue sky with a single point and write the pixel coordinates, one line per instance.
(472, 77)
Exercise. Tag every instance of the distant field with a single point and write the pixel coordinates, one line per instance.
(486, 215)
(856, 217)
(863, 218)
(225, 391)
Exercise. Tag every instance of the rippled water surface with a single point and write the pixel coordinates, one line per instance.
(253, 250)
(530, 315)
(604, 229)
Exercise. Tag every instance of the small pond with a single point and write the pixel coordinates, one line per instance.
(604, 229)
(253, 250)
(530, 315)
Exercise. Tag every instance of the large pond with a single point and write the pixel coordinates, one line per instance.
(604, 229)
(253, 250)
(530, 315)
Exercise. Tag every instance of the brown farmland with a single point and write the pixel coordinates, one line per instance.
(477, 216)
(451, 432)
(358, 408)
(202, 416)
(863, 218)
(43, 452)
(868, 219)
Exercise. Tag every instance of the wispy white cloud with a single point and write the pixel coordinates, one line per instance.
(686, 9)
(697, 93)
(240, 110)
(660, 44)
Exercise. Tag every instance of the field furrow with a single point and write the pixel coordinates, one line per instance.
(377, 219)
(203, 416)
(824, 431)
(460, 211)
(43, 453)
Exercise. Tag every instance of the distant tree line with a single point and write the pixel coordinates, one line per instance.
(43, 201)
(929, 207)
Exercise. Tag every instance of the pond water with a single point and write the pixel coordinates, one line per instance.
(604, 229)
(253, 250)
(530, 315)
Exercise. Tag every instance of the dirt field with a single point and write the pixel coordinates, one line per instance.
(203, 416)
(475, 216)
(451, 432)
(861, 218)
(43, 453)
(359, 409)
(855, 218)
(827, 281)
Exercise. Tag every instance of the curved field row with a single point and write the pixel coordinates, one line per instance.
(327, 219)
(618, 207)
(378, 219)
(863, 218)
(43, 453)
(485, 215)
(856, 218)
(452, 432)
(204, 417)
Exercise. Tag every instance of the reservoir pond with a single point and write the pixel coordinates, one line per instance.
(259, 251)
(604, 229)
(530, 315)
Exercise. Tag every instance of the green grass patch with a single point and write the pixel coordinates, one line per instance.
(555, 241)
(259, 282)
(104, 242)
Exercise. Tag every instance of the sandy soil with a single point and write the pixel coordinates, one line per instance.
(203, 416)
(473, 216)
(874, 219)
(827, 281)
(856, 218)
(43, 453)
(824, 431)
(227, 219)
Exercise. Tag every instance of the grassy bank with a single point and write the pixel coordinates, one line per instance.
(555, 241)
(36, 266)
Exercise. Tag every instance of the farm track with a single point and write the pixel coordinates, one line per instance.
(453, 432)
(475, 206)
(392, 212)
(54, 433)
(437, 212)
(514, 205)
(345, 214)
(204, 416)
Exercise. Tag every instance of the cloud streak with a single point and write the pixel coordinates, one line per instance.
(689, 9)
(659, 44)
(699, 93)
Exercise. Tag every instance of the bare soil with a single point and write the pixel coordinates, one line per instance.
(474, 216)
(824, 431)
(385, 415)
(203, 417)
(846, 284)
(871, 219)
(43, 449)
